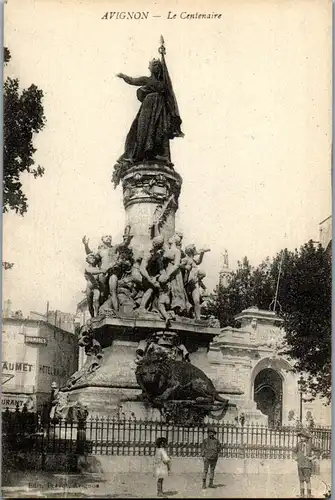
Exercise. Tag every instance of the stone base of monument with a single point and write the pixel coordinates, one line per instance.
(112, 402)
(108, 385)
(138, 326)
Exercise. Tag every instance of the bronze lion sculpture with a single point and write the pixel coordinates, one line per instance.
(162, 379)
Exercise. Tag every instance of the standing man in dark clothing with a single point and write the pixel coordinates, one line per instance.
(305, 453)
(210, 450)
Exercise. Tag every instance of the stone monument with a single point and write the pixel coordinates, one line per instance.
(149, 286)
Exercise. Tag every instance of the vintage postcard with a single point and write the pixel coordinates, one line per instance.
(167, 242)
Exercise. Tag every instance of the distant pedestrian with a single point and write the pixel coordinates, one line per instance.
(304, 454)
(210, 451)
(162, 464)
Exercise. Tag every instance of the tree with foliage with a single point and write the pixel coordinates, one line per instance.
(247, 286)
(303, 302)
(23, 117)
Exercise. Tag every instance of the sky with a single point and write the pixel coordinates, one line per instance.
(254, 94)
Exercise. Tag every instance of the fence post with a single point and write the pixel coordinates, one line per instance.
(80, 453)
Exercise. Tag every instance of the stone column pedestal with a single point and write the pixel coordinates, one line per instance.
(150, 197)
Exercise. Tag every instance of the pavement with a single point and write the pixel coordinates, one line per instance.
(143, 485)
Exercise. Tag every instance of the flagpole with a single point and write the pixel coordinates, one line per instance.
(278, 281)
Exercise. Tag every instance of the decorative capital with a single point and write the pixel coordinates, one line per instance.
(151, 184)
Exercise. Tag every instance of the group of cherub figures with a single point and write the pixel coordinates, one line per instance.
(166, 279)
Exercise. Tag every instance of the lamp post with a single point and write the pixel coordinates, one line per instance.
(300, 384)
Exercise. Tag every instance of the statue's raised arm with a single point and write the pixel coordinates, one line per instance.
(142, 80)
(85, 242)
(157, 121)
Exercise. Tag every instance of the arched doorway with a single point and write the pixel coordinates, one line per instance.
(268, 395)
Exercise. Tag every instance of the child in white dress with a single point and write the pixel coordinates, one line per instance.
(161, 464)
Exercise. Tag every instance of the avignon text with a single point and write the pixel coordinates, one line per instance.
(141, 15)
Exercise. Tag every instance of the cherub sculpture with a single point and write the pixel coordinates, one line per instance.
(95, 280)
(115, 261)
(190, 263)
(173, 276)
(151, 268)
(107, 256)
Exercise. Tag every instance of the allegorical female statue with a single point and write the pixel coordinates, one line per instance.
(157, 121)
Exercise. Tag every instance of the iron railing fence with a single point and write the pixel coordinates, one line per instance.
(121, 436)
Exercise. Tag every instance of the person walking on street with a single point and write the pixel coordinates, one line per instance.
(210, 451)
(304, 456)
(162, 464)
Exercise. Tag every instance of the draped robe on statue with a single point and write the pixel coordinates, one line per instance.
(157, 121)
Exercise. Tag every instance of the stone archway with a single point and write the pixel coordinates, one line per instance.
(268, 395)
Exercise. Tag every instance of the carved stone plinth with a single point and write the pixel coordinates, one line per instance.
(150, 196)
(111, 387)
(141, 324)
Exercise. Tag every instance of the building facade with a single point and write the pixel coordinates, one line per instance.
(64, 321)
(35, 353)
(249, 357)
(325, 232)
